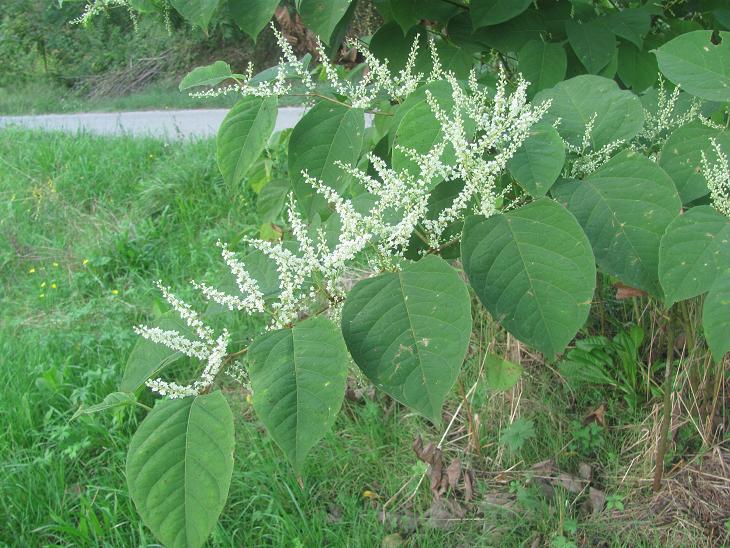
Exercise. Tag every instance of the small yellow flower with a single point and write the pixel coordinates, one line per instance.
(115, 292)
(85, 262)
(43, 284)
(55, 263)
(54, 286)
(31, 270)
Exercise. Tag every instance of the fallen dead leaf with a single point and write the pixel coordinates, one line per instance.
(597, 415)
(627, 292)
(444, 513)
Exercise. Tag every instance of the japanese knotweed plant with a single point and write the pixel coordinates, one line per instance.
(533, 198)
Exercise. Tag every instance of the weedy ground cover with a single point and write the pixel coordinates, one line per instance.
(88, 221)
(41, 97)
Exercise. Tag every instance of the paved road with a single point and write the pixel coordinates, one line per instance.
(159, 123)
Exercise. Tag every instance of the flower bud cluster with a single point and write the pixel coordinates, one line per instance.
(717, 175)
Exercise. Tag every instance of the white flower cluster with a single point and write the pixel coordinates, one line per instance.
(587, 159)
(97, 7)
(207, 348)
(289, 67)
(718, 179)
(658, 125)
(480, 131)
(377, 82)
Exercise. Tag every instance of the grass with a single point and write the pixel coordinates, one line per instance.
(88, 223)
(42, 97)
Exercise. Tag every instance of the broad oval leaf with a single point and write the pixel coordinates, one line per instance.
(491, 12)
(593, 43)
(618, 113)
(694, 249)
(209, 75)
(326, 134)
(637, 69)
(698, 65)
(298, 379)
(322, 16)
(511, 35)
(624, 208)
(538, 162)
(389, 43)
(270, 201)
(243, 134)
(681, 157)
(197, 12)
(439, 90)
(251, 16)
(533, 270)
(408, 331)
(631, 24)
(716, 317)
(543, 64)
(179, 467)
(501, 375)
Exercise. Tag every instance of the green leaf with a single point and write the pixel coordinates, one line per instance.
(298, 379)
(209, 75)
(533, 270)
(593, 43)
(408, 13)
(145, 6)
(197, 12)
(405, 13)
(322, 16)
(501, 375)
(513, 34)
(270, 200)
(543, 64)
(419, 130)
(148, 358)
(455, 59)
(491, 12)
(538, 162)
(408, 331)
(440, 90)
(681, 157)
(179, 467)
(517, 433)
(624, 208)
(111, 401)
(243, 135)
(630, 24)
(389, 43)
(694, 250)
(619, 114)
(637, 69)
(700, 67)
(586, 367)
(716, 317)
(251, 16)
(326, 134)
